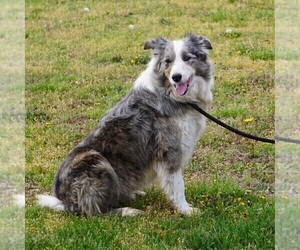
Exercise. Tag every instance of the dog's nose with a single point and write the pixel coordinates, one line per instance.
(176, 77)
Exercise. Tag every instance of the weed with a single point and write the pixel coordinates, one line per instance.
(254, 52)
(218, 16)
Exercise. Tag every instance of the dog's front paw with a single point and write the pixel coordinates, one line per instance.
(189, 211)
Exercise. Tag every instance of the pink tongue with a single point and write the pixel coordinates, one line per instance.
(181, 88)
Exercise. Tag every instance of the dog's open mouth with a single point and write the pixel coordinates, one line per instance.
(182, 88)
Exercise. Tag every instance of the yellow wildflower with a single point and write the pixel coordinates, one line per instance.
(248, 120)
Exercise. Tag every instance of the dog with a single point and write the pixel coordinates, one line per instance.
(148, 136)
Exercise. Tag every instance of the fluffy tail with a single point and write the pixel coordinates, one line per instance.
(51, 202)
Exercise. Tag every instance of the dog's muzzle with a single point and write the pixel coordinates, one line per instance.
(182, 87)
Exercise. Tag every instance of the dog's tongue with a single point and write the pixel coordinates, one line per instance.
(181, 88)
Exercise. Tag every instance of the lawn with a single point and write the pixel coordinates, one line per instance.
(287, 124)
(12, 119)
(80, 63)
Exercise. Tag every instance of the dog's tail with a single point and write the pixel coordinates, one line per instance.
(50, 202)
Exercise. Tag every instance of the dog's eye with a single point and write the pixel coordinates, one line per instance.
(186, 58)
(167, 61)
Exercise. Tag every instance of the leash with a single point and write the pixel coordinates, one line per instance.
(241, 133)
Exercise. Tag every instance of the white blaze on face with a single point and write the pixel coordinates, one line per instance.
(179, 67)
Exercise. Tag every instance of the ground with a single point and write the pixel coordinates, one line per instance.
(12, 119)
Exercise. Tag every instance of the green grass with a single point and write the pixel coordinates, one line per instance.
(12, 226)
(287, 222)
(230, 219)
(81, 64)
(12, 165)
(255, 52)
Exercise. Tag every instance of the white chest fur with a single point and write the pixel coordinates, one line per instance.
(192, 124)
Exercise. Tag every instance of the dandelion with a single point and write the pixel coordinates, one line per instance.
(86, 10)
(248, 191)
(228, 31)
(248, 120)
(130, 26)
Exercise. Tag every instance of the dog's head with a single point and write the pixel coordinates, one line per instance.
(184, 65)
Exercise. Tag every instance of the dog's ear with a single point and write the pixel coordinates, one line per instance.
(159, 43)
(199, 40)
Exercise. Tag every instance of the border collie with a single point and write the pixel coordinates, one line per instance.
(148, 136)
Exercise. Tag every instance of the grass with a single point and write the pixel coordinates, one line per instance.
(287, 222)
(254, 52)
(80, 64)
(228, 213)
(12, 225)
(287, 115)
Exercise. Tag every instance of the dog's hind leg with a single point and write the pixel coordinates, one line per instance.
(126, 211)
(137, 194)
(87, 184)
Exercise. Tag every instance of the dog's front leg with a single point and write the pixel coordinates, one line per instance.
(173, 185)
